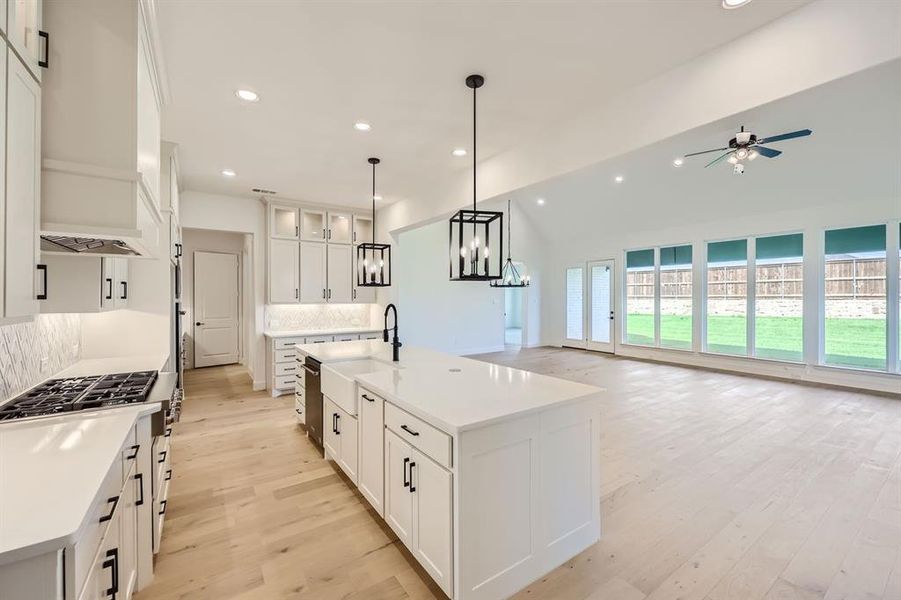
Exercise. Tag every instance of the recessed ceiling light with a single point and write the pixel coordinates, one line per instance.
(247, 95)
(459, 152)
(377, 197)
(228, 173)
(618, 179)
(729, 4)
(540, 201)
(678, 162)
(362, 126)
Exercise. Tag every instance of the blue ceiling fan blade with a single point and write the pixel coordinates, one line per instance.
(716, 160)
(768, 152)
(785, 136)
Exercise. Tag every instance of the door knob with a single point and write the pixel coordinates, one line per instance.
(198, 323)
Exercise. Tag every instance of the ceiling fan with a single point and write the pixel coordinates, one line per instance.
(747, 146)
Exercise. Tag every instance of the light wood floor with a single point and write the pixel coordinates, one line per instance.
(715, 487)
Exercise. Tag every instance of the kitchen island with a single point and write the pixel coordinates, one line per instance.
(489, 475)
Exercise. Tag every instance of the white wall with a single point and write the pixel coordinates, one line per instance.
(200, 210)
(212, 241)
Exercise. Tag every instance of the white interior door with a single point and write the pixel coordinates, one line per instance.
(574, 334)
(216, 314)
(600, 305)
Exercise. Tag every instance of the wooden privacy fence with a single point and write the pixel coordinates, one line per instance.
(850, 278)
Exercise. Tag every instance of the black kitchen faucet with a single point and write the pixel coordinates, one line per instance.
(395, 343)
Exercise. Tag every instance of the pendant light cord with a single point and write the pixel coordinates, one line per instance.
(373, 204)
(474, 153)
(509, 227)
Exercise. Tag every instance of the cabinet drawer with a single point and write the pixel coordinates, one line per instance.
(434, 443)
(371, 336)
(284, 382)
(347, 337)
(289, 368)
(319, 339)
(285, 355)
(285, 343)
(101, 514)
(299, 389)
(299, 408)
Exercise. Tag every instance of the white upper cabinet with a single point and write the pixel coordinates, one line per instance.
(313, 227)
(340, 228)
(283, 221)
(23, 185)
(120, 276)
(23, 29)
(313, 287)
(362, 229)
(83, 284)
(101, 151)
(283, 272)
(4, 8)
(340, 271)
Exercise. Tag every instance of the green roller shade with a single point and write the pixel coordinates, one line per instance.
(637, 259)
(731, 251)
(780, 246)
(856, 239)
(675, 255)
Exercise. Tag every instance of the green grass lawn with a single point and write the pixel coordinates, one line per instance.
(849, 342)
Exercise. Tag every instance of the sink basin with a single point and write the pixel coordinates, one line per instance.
(338, 380)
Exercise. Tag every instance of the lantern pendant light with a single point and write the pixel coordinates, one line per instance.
(510, 275)
(475, 236)
(373, 260)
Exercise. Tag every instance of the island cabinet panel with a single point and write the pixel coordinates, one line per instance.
(372, 440)
(398, 499)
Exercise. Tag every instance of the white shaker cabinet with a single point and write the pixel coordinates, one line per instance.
(82, 284)
(120, 289)
(371, 423)
(362, 229)
(340, 437)
(313, 226)
(283, 222)
(313, 273)
(340, 271)
(398, 499)
(340, 228)
(23, 30)
(23, 184)
(284, 269)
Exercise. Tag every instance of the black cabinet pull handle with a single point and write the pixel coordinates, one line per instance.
(408, 430)
(168, 432)
(112, 563)
(334, 422)
(162, 458)
(109, 295)
(365, 397)
(163, 507)
(412, 487)
(406, 481)
(124, 295)
(115, 501)
(168, 474)
(338, 424)
(46, 62)
(139, 477)
(133, 456)
(323, 293)
(43, 294)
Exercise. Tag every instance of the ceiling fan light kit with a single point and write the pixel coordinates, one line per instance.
(471, 232)
(746, 146)
(373, 260)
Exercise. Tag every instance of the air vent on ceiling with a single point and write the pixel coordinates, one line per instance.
(264, 191)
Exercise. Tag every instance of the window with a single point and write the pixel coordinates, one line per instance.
(675, 297)
(727, 297)
(574, 304)
(855, 300)
(779, 300)
(640, 291)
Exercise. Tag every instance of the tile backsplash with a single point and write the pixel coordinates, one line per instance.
(286, 317)
(23, 346)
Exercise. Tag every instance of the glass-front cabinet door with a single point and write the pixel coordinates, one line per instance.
(340, 228)
(312, 225)
(362, 229)
(284, 223)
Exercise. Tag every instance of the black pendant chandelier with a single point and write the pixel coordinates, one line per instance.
(510, 275)
(472, 231)
(373, 260)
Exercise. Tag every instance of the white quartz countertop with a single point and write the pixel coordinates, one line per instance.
(311, 332)
(51, 470)
(115, 364)
(450, 392)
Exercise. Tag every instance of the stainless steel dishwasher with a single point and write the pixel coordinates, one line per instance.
(313, 402)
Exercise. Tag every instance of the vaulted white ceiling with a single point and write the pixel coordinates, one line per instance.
(321, 66)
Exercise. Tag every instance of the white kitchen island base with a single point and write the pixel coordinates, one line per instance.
(490, 476)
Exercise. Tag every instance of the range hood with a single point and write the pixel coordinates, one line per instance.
(59, 244)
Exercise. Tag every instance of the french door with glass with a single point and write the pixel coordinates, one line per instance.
(589, 314)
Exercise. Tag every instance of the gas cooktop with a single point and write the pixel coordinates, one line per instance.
(80, 393)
